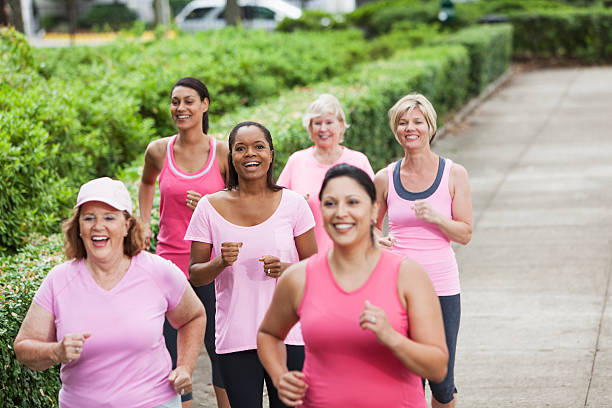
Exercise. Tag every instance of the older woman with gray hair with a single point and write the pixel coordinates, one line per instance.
(305, 170)
(429, 205)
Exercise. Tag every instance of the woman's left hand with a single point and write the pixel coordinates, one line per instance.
(271, 266)
(424, 211)
(373, 318)
(192, 199)
(181, 380)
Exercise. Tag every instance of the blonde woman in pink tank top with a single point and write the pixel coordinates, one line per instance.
(370, 318)
(427, 199)
(188, 165)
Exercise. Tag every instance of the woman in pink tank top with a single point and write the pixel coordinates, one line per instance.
(370, 318)
(189, 165)
(428, 202)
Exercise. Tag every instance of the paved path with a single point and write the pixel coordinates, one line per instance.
(536, 326)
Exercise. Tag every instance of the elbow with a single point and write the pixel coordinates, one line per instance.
(198, 279)
(466, 237)
(439, 369)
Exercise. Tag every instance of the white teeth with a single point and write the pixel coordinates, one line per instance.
(99, 238)
(183, 116)
(249, 164)
(343, 226)
(412, 137)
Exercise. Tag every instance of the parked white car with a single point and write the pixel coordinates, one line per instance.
(209, 14)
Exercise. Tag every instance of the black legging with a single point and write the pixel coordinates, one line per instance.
(243, 376)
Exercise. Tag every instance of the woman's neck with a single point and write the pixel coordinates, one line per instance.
(418, 160)
(354, 257)
(327, 155)
(253, 187)
(191, 136)
(104, 268)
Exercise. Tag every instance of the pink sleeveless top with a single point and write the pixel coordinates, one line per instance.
(174, 215)
(417, 239)
(346, 366)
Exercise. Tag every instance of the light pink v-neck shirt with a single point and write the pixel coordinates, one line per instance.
(125, 362)
(243, 290)
(304, 175)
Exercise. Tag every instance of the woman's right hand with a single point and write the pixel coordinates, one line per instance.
(147, 236)
(71, 347)
(229, 252)
(291, 388)
(386, 242)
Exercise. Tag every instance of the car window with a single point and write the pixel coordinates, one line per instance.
(258, 12)
(198, 13)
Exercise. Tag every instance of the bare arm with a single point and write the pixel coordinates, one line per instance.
(459, 228)
(424, 352)
(280, 318)
(154, 156)
(189, 318)
(35, 345)
(306, 245)
(222, 153)
(381, 182)
(203, 270)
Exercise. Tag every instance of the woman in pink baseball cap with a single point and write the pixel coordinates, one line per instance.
(100, 314)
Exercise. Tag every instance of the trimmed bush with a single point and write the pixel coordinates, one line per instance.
(115, 16)
(574, 34)
(313, 20)
(490, 49)
(20, 278)
(365, 95)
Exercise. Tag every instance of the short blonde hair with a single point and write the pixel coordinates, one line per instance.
(407, 104)
(74, 248)
(323, 105)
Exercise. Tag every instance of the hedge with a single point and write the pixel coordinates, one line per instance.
(240, 67)
(21, 275)
(55, 134)
(442, 73)
(575, 34)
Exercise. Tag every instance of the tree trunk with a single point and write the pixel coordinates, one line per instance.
(232, 12)
(162, 12)
(16, 14)
(73, 13)
(4, 17)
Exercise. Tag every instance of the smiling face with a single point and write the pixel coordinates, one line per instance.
(103, 229)
(326, 131)
(251, 153)
(348, 211)
(186, 108)
(412, 130)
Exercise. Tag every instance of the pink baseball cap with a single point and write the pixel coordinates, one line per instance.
(105, 190)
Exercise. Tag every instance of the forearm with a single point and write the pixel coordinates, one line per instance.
(202, 273)
(456, 231)
(427, 361)
(189, 342)
(37, 355)
(273, 355)
(146, 195)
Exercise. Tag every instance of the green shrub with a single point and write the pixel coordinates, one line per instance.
(313, 20)
(574, 34)
(115, 16)
(366, 95)
(20, 278)
(239, 67)
(490, 49)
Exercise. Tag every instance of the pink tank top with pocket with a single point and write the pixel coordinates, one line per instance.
(417, 239)
(174, 215)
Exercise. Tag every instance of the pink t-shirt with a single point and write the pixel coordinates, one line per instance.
(346, 366)
(243, 291)
(174, 215)
(420, 240)
(125, 362)
(304, 175)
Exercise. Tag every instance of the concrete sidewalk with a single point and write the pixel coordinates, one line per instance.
(536, 327)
